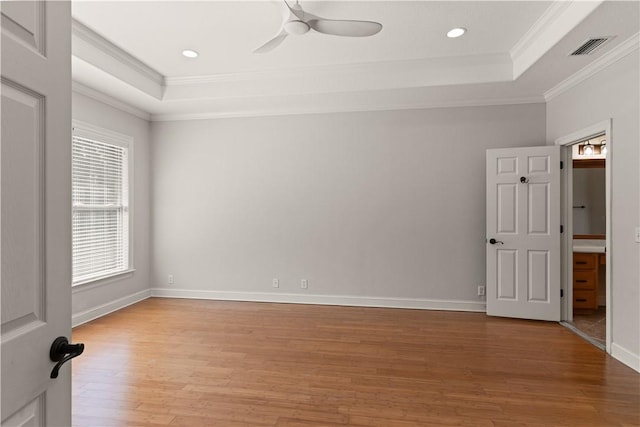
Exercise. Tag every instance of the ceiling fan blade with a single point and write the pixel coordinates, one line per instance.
(345, 27)
(272, 44)
(297, 12)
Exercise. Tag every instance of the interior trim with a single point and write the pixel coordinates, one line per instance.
(334, 108)
(346, 300)
(625, 356)
(109, 100)
(92, 48)
(104, 309)
(557, 21)
(523, 49)
(596, 129)
(85, 33)
(615, 54)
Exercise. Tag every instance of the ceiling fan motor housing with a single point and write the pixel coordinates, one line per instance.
(298, 22)
(296, 27)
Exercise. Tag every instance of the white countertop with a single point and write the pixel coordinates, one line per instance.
(589, 245)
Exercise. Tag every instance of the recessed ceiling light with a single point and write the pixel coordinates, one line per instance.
(456, 32)
(190, 53)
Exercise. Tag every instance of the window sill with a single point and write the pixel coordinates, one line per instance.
(99, 281)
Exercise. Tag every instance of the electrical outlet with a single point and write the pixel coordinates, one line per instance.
(304, 284)
(170, 279)
(276, 283)
(480, 291)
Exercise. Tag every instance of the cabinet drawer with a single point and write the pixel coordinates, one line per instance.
(585, 299)
(584, 280)
(583, 261)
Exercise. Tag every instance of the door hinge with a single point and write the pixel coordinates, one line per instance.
(561, 293)
(561, 164)
(561, 229)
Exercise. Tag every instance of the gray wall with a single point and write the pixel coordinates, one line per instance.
(613, 93)
(589, 191)
(375, 204)
(102, 296)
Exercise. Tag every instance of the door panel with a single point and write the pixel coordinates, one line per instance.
(35, 210)
(507, 274)
(507, 165)
(538, 164)
(22, 212)
(523, 216)
(538, 277)
(507, 202)
(25, 22)
(538, 215)
(30, 415)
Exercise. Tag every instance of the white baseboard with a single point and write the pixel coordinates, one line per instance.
(424, 304)
(625, 356)
(110, 307)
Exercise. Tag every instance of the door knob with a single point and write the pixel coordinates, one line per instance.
(494, 241)
(61, 352)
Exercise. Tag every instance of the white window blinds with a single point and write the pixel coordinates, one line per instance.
(100, 193)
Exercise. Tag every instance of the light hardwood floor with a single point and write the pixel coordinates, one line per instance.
(211, 363)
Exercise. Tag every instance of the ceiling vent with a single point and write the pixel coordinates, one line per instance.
(590, 46)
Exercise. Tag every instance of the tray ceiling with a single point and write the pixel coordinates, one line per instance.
(514, 51)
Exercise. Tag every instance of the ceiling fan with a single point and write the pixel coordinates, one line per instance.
(297, 22)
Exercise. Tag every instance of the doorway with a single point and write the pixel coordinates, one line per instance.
(589, 238)
(586, 241)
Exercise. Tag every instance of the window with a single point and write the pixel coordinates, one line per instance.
(100, 195)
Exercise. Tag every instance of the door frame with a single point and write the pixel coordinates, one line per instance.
(566, 212)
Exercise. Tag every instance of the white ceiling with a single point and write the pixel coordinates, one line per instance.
(225, 33)
(514, 51)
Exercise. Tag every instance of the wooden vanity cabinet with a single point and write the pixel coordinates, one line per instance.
(585, 280)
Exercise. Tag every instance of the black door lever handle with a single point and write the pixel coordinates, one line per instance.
(61, 352)
(494, 241)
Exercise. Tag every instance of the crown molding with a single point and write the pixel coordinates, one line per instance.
(557, 21)
(337, 69)
(542, 24)
(109, 100)
(91, 47)
(443, 71)
(618, 52)
(85, 33)
(292, 110)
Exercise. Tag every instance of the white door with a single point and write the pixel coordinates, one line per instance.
(35, 210)
(523, 232)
